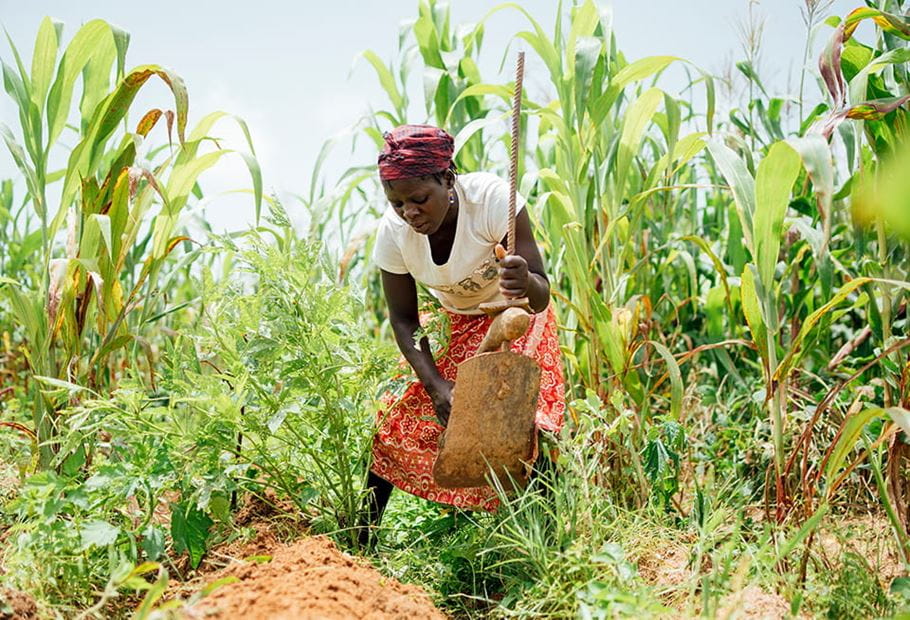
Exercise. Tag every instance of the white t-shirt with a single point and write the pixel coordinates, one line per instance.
(471, 275)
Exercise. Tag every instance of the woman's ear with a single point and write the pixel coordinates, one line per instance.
(449, 178)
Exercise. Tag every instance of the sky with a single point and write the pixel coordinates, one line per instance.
(291, 68)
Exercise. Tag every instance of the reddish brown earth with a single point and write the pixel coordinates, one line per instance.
(266, 577)
(16, 605)
(310, 579)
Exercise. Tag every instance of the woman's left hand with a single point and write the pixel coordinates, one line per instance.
(513, 276)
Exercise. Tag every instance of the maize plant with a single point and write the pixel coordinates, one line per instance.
(631, 192)
(106, 241)
(781, 331)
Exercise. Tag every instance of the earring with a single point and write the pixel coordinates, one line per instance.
(451, 198)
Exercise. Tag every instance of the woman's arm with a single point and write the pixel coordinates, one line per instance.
(522, 274)
(401, 297)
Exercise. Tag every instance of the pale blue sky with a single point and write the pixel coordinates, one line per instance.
(286, 67)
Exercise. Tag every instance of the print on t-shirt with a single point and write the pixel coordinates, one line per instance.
(479, 278)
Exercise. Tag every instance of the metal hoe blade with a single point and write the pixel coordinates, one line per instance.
(492, 422)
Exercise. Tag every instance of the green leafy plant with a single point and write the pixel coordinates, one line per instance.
(93, 294)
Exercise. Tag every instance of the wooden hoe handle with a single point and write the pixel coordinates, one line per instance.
(506, 327)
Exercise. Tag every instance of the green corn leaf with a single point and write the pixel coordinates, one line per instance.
(673, 122)
(428, 39)
(469, 69)
(718, 266)
(802, 533)
(134, 579)
(28, 311)
(44, 59)
(638, 117)
(20, 88)
(795, 352)
(819, 165)
(752, 311)
(60, 384)
(849, 435)
(110, 112)
(77, 54)
(584, 21)
(119, 210)
(859, 84)
(560, 193)
(386, 79)
(219, 583)
(118, 103)
(441, 101)
(184, 176)
(714, 311)
(102, 223)
(741, 184)
(19, 157)
(111, 345)
(472, 128)
(776, 175)
(121, 42)
(432, 82)
(96, 78)
(711, 98)
(252, 164)
(748, 70)
(641, 69)
(587, 52)
(29, 117)
(687, 148)
(545, 49)
(542, 44)
(686, 257)
(479, 90)
(607, 330)
(203, 129)
(676, 383)
(22, 74)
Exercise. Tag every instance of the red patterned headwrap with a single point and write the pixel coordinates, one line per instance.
(415, 150)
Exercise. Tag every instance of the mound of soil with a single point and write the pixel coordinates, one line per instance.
(311, 579)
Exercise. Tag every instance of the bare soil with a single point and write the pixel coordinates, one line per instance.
(665, 567)
(753, 603)
(311, 579)
(15, 605)
(266, 577)
(870, 537)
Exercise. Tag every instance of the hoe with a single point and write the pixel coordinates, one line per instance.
(491, 426)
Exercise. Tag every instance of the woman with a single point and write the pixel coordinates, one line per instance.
(442, 231)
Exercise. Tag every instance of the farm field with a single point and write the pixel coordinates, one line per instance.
(187, 416)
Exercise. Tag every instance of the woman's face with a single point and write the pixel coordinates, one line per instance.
(422, 202)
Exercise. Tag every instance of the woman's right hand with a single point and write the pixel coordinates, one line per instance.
(441, 394)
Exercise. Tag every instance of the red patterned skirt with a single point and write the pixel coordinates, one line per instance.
(407, 439)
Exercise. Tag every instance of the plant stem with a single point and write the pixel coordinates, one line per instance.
(886, 309)
(903, 543)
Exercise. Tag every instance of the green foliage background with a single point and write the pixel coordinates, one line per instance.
(731, 290)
